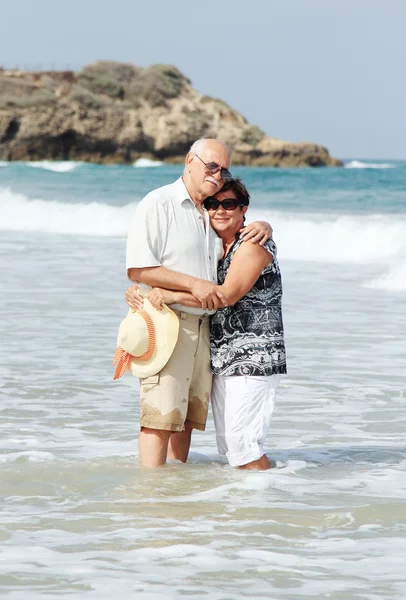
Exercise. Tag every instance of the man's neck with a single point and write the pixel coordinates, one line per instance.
(196, 197)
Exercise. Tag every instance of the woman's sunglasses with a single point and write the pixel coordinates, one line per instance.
(228, 203)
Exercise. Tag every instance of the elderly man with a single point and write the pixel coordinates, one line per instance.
(171, 245)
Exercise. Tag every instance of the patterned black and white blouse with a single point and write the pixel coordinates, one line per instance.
(247, 338)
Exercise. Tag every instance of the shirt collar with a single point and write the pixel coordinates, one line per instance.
(181, 193)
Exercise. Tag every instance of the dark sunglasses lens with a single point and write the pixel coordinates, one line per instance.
(211, 204)
(213, 168)
(229, 204)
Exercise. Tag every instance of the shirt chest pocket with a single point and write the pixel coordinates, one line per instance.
(184, 231)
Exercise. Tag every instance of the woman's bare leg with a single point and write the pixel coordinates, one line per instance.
(262, 464)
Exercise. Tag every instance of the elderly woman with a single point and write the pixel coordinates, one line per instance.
(247, 340)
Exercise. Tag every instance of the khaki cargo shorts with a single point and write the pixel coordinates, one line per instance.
(180, 393)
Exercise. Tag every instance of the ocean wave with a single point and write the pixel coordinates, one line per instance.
(324, 238)
(357, 164)
(19, 213)
(317, 237)
(393, 280)
(338, 239)
(4, 163)
(146, 162)
(57, 166)
(27, 456)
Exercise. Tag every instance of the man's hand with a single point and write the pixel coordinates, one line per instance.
(257, 232)
(133, 298)
(158, 297)
(208, 294)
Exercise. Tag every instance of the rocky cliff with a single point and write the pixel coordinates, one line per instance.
(112, 112)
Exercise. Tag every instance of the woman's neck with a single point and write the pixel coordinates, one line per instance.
(228, 241)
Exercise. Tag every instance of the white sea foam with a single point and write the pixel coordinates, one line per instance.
(18, 213)
(352, 239)
(362, 240)
(146, 162)
(394, 280)
(26, 456)
(62, 166)
(3, 163)
(357, 164)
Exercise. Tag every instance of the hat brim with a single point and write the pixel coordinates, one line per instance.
(166, 326)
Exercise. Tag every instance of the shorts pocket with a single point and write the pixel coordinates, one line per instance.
(150, 382)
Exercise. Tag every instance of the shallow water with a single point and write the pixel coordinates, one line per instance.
(78, 516)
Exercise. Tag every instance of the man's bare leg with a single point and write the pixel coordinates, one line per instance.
(262, 464)
(153, 447)
(179, 444)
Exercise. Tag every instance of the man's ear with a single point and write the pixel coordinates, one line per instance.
(189, 158)
(244, 209)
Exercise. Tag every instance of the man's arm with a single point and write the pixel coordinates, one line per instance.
(257, 232)
(245, 268)
(144, 254)
(159, 296)
(208, 295)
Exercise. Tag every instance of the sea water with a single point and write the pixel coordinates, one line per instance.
(79, 518)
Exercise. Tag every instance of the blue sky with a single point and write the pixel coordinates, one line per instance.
(326, 71)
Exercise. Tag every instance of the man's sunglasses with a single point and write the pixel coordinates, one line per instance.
(228, 203)
(214, 168)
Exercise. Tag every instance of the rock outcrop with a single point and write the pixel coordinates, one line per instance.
(116, 113)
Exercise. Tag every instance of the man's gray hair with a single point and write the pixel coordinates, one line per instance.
(198, 145)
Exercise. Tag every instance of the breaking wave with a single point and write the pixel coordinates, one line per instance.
(357, 164)
(62, 166)
(339, 239)
(146, 162)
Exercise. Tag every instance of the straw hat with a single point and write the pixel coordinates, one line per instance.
(146, 339)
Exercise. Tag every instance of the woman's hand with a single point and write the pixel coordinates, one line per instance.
(257, 232)
(133, 297)
(158, 297)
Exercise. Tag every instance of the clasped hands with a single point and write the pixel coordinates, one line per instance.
(207, 295)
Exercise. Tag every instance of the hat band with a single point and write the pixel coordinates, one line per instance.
(151, 335)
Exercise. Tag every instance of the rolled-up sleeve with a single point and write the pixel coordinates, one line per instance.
(146, 235)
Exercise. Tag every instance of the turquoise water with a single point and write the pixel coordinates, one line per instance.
(354, 189)
(78, 517)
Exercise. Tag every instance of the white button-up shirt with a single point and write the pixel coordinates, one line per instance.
(167, 230)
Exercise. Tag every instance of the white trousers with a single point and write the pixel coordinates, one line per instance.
(242, 411)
